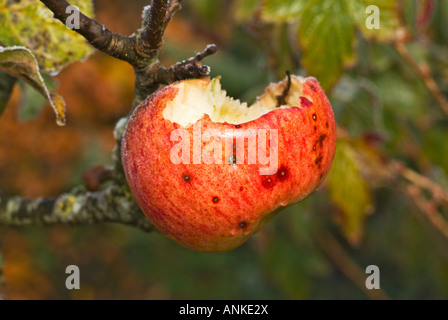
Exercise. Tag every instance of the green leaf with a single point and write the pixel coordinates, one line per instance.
(31, 102)
(30, 24)
(327, 36)
(282, 10)
(21, 63)
(387, 14)
(349, 191)
(7, 83)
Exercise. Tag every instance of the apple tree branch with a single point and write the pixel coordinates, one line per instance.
(113, 204)
(140, 49)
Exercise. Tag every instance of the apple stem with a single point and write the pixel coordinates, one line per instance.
(281, 99)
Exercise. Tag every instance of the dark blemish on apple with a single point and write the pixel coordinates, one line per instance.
(268, 182)
(282, 173)
(321, 139)
(241, 188)
(312, 87)
(314, 117)
(314, 147)
(186, 178)
(242, 225)
(326, 124)
(237, 126)
(321, 175)
(318, 161)
(215, 199)
(305, 102)
(315, 128)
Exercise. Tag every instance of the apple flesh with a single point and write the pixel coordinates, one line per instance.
(206, 195)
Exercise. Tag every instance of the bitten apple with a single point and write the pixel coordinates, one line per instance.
(209, 171)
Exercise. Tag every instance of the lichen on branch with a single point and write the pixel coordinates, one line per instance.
(113, 204)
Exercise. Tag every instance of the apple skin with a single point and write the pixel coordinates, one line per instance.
(217, 207)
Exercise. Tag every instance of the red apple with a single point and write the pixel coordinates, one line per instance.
(208, 171)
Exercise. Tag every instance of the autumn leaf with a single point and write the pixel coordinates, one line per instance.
(21, 63)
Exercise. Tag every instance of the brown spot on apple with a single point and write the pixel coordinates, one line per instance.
(186, 178)
(268, 181)
(215, 199)
(321, 139)
(282, 173)
(242, 225)
(314, 117)
(241, 188)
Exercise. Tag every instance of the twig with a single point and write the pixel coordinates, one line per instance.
(190, 68)
(151, 37)
(429, 208)
(347, 266)
(421, 181)
(424, 73)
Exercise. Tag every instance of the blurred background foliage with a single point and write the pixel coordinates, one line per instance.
(369, 211)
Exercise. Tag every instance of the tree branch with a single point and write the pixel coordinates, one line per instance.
(113, 204)
(156, 20)
(429, 208)
(113, 44)
(140, 50)
(346, 265)
(424, 73)
(188, 69)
